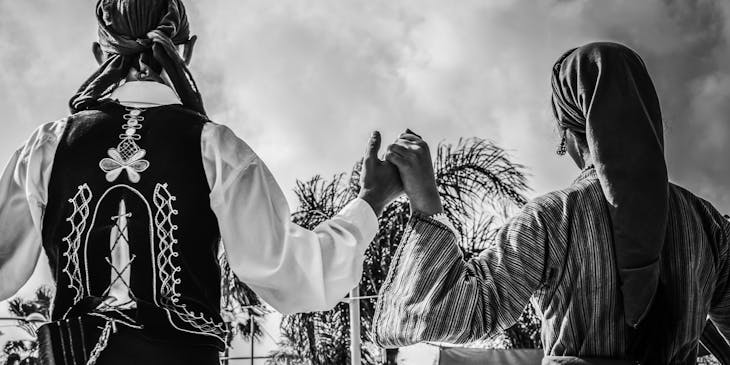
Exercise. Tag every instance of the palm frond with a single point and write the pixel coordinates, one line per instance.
(39, 304)
(286, 353)
(241, 308)
(476, 176)
(319, 200)
(479, 185)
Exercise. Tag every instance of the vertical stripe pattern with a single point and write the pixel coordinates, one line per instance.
(558, 255)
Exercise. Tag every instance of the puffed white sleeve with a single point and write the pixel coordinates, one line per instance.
(23, 187)
(293, 269)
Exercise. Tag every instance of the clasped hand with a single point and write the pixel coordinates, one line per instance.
(407, 168)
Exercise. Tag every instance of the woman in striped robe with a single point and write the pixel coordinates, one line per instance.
(621, 265)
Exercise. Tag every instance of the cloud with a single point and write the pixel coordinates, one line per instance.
(305, 82)
(45, 54)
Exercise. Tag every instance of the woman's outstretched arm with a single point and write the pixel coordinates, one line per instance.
(433, 294)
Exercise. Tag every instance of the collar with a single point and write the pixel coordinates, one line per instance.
(588, 172)
(144, 94)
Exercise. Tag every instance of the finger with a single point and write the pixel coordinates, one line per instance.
(163, 42)
(410, 137)
(409, 131)
(410, 146)
(396, 159)
(415, 144)
(399, 156)
(159, 37)
(373, 147)
(394, 169)
(400, 149)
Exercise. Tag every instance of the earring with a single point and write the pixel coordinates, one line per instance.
(563, 147)
(143, 74)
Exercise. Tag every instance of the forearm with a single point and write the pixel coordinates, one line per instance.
(433, 294)
(299, 270)
(341, 243)
(429, 294)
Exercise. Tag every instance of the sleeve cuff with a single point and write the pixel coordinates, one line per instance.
(437, 220)
(444, 220)
(360, 213)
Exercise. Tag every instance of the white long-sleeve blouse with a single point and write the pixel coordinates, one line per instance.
(291, 268)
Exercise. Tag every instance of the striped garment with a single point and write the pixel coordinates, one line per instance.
(557, 254)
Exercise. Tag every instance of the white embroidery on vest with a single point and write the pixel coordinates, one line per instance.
(119, 293)
(127, 156)
(78, 218)
(169, 297)
(148, 212)
(166, 241)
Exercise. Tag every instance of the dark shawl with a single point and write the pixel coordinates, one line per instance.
(603, 91)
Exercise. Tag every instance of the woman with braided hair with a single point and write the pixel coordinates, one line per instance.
(130, 196)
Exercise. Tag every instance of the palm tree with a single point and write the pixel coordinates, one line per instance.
(321, 337)
(38, 307)
(479, 187)
(241, 309)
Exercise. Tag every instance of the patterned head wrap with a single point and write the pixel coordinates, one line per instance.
(134, 31)
(603, 91)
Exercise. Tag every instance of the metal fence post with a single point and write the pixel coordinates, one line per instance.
(355, 326)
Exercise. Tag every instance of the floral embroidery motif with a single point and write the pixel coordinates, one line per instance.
(78, 219)
(127, 156)
(116, 164)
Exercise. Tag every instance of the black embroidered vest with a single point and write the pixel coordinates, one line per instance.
(129, 216)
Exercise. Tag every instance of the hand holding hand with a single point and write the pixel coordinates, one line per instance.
(412, 156)
(379, 180)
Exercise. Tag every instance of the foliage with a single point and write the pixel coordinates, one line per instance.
(38, 306)
(477, 182)
(288, 354)
(478, 185)
(240, 307)
(320, 337)
(707, 360)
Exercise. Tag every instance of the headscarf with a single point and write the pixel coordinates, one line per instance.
(126, 32)
(603, 91)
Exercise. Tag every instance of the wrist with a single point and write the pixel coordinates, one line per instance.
(375, 203)
(427, 210)
(428, 206)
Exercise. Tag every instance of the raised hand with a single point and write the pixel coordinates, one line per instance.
(412, 156)
(379, 180)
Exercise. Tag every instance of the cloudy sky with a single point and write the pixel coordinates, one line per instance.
(304, 82)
